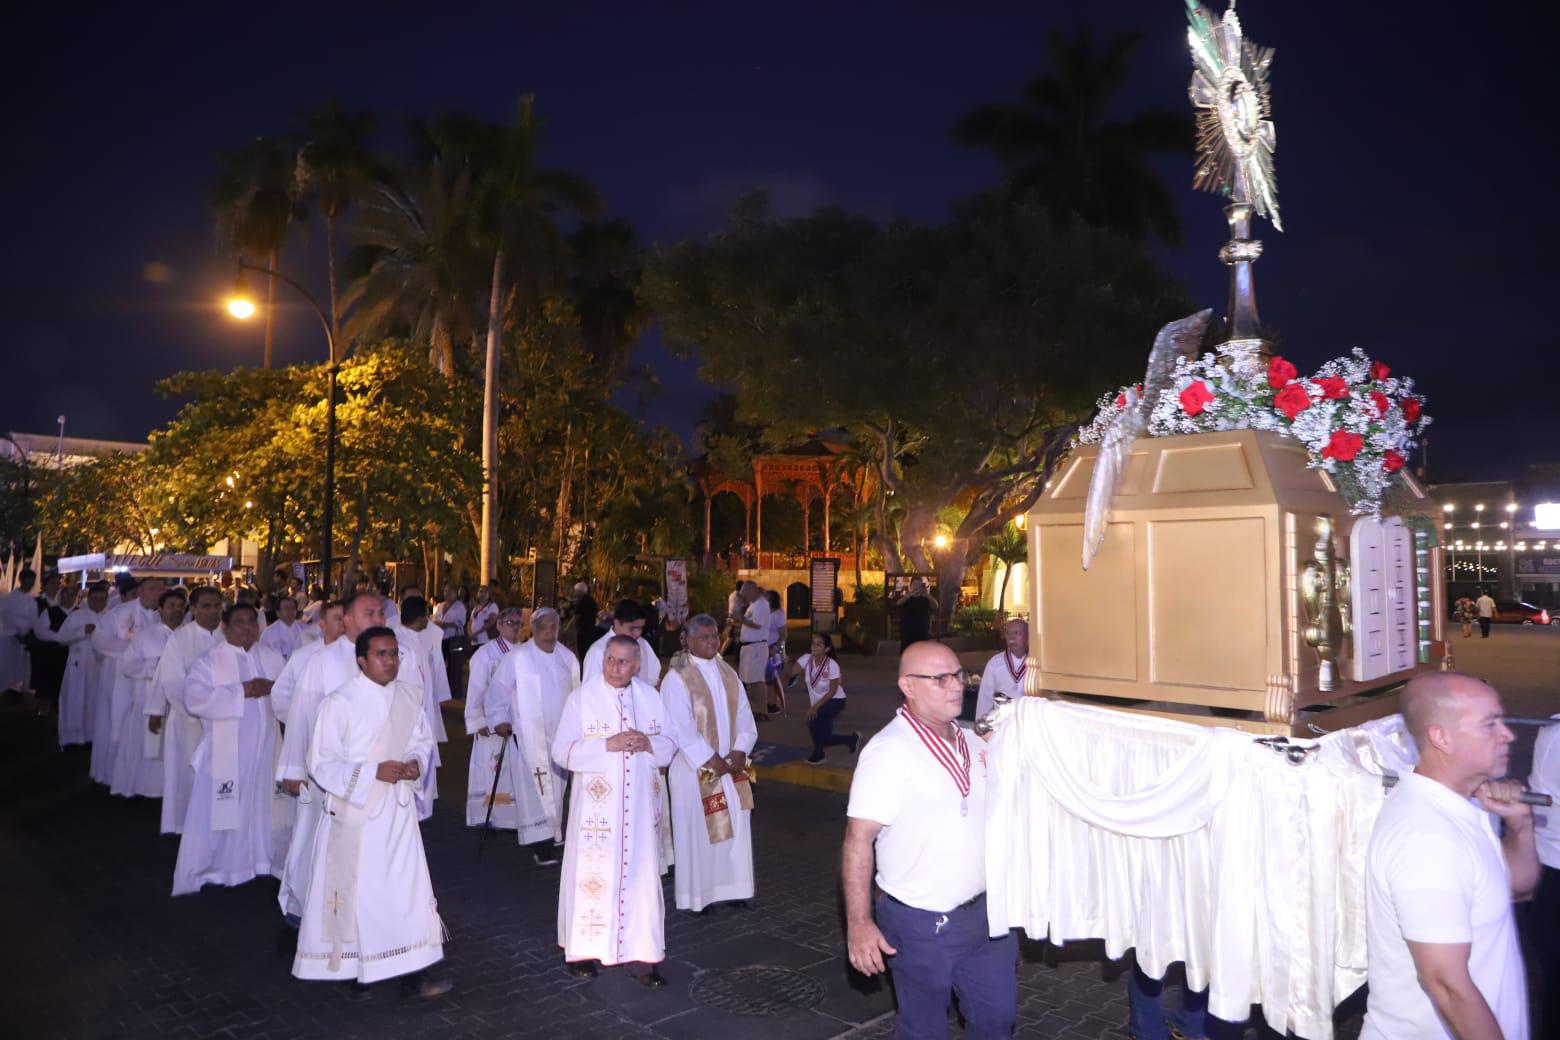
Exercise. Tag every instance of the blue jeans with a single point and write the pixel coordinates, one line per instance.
(821, 726)
(945, 954)
(1149, 1020)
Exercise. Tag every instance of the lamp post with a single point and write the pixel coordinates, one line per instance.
(242, 307)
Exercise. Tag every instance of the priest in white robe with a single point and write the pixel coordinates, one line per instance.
(370, 912)
(18, 611)
(1005, 671)
(329, 669)
(138, 766)
(78, 690)
(137, 609)
(165, 702)
(612, 738)
(708, 715)
(235, 828)
(523, 706)
(328, 629)
(490, 771)
(435, 684)
(286, 633)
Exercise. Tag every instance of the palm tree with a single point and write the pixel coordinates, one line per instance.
(335, 164)
(606, 264)
(1059, 145)
(514, 213)
(1008, 547)
(255, 200)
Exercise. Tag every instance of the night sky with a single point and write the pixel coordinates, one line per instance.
(1415, 164)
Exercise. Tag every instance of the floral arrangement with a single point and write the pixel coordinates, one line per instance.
(1357, 420)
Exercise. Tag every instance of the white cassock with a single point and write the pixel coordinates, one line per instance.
(1002, 675)
(180, 731)
(111, 639)
(417, 668)
(528, 692)
(236, 827)
(284, 639)
(485, 750)
(707, 714)
(369, 913)
(610, 906)
(78, 690)
(326, 670)
(138, 765)
(650, 674)
(18, 611)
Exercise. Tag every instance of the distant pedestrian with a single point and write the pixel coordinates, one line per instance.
(915, 616)
(825, 697)
(1464, 611)
(774, 670)
(1486, 608)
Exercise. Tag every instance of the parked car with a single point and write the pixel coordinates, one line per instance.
(1515, 612)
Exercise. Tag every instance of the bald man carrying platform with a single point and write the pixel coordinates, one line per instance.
(1443, 958)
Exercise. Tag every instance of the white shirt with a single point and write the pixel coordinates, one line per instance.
(1435, 873)
(1486, 606)
(1546, 778)
(1000, 677)
(930, 855)
(776, 626)
(818, 681)
(479, 620)
(451, 619)
(757, 611)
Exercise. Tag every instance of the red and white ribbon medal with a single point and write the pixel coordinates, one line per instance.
(956, 765)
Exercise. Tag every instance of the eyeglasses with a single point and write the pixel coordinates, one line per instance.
(958, 678)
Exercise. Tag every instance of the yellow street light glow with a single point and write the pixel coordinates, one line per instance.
(1474, 525)
(941, 541)
(1448, 507)
(241, 307)
(1479, 508)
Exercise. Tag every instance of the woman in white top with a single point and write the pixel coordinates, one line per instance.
(825, 698)
(774, 670)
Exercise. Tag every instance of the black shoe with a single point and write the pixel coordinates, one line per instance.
(652, 980)
(814, 760)
(547, 859)
(422, 986)
(287, 942)
(581, 969)
(739, 905)
(359, 991)
(760, 717)
(855, 742)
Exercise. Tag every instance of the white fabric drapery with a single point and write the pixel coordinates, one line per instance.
(1188, 844)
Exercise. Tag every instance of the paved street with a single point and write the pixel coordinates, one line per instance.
(99, 949)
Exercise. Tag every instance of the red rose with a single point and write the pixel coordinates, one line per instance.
(1292, 400)
(1332, 387)
(1410, 408)
(1392, 460)
(1196, 397)
(1121, 400)
(1381, 403)
(1379, 371)
(1279, 372)
(1343, 446)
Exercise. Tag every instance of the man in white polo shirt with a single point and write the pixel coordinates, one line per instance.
(919, 799)
(1542, 917)
(1443, 957)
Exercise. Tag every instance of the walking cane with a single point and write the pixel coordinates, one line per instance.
(487, 823)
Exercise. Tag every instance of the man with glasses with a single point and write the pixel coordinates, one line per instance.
(918, 801)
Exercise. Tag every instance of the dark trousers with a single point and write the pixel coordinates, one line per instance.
(1484, 628)
(821, 726)
(941, 955)
(1540, 921)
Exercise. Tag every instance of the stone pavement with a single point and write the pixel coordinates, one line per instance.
(97, 948)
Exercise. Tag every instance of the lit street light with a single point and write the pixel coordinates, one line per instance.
(242, 306)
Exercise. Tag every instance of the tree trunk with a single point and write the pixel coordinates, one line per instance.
(488, 563)
(886, 544)
(565, 497)
(950, 567)
(1007, 573)
(270, 309)
(354, 557)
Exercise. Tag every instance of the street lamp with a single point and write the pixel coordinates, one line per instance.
(242, 306)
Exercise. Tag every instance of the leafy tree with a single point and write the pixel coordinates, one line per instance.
(965, 354)
(1060, 147)
(255, 199)
(1008, 547)
(334, 165)
(103, 503)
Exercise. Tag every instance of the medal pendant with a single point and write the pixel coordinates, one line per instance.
(964, 806)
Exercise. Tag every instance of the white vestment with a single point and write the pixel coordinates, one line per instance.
(180, 732)
(1002, 675)
(138, 766)
(326, 671)
(650, 674)
(417, 668)
(78, 690)
(485, 750)
(287, 683)
(708, 872)
(18, 611)
(528, 692)
(392, 922)
(111, 639)
(284, 639)
(236, 826)
(610, 906)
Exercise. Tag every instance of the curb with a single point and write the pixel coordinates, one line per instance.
(800, 774)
